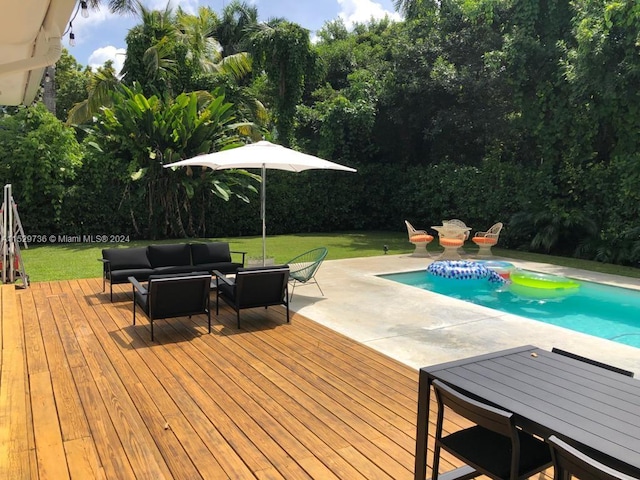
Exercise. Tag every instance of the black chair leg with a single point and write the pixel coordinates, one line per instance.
(208, 306)
(238, 315)
(287, 299)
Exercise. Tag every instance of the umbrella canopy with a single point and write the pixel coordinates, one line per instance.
(262, 155)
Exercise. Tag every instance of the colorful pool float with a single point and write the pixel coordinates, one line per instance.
(501, 267)
(463, 270)
(542, 280)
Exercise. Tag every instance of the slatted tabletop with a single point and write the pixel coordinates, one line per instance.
(550, 394)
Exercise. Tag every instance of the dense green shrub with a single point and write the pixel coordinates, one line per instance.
(99, 201)
(40, 157)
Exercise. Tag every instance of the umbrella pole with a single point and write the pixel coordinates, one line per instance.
(263, 198)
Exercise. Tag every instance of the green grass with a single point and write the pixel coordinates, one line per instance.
(80, 260)
(569, 262)
(51, 262)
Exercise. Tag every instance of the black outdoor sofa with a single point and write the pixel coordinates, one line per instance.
(141, 262)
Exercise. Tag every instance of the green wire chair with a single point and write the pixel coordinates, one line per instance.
(303, 268)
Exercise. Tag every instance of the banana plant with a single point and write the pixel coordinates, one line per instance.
(153, 132)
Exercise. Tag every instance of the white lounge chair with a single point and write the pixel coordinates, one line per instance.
(420, 238)
(486, 240)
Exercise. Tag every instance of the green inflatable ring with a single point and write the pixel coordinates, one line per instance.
(545, 281)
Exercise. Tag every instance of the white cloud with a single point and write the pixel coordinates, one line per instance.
(99, 24)
(83, 27)
(361, 11)
(101, 55)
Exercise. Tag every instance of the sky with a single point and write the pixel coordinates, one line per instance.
(101, 36)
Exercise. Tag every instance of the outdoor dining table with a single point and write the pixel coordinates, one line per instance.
(548, 393)
(449, 229)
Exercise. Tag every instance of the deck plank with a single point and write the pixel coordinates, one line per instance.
(82, 457)
(49, 449)
(71, 415)
(15, 416)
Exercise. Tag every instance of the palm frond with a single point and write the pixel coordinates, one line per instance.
(103, 83)
(158, 58)
(238, 65)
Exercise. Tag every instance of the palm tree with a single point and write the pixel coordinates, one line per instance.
(102, 83)
(116, 6)
(198, 34)
(151, 45)
(234, 30)
(169, 53)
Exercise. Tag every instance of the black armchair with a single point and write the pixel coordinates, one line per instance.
(253, 287)
(170, 296)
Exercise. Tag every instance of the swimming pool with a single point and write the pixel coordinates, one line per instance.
(601, 310)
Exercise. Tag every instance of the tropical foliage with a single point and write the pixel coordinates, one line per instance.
(151, 133)
(40, 158)
(283, 50)
(72, 83)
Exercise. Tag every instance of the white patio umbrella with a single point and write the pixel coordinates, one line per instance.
(261, 155)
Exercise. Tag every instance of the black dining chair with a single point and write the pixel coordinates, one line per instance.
(569, 461)
(493, 446)
(591, 361)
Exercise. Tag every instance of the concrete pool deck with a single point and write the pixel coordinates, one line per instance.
(421, 328)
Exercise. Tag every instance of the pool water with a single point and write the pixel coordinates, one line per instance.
(601, 310)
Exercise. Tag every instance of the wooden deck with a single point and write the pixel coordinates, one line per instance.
(84, 394)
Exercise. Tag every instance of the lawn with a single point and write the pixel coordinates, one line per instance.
(47, 262)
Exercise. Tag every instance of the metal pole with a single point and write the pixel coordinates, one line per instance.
(263, 201)
(9, 235)
(5, 230)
